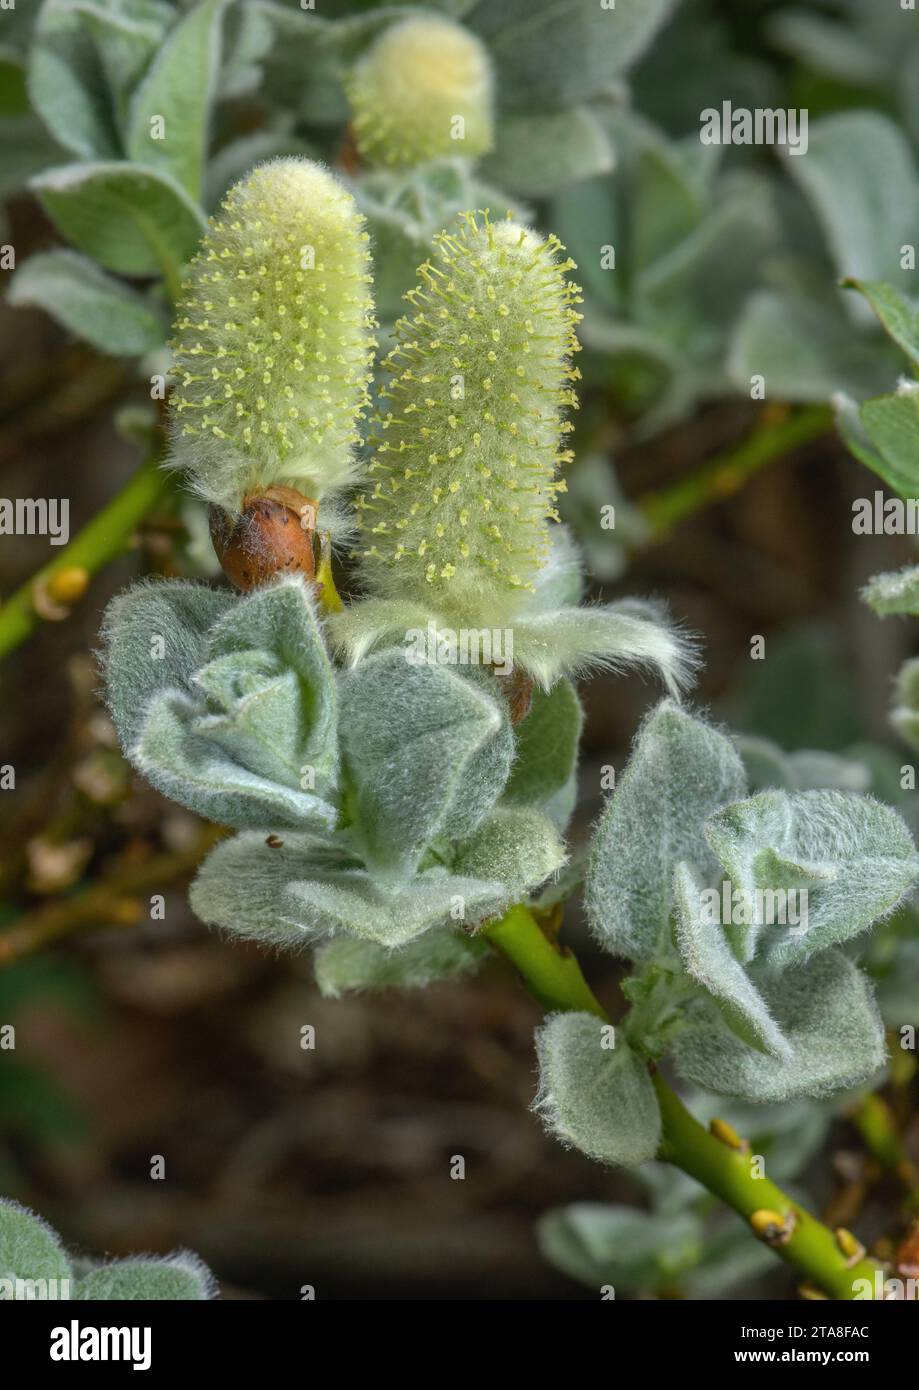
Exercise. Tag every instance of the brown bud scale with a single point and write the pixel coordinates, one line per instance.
(272, 535)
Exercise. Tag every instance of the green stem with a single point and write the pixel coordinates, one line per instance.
(551, 973)
(107, 535)
(874, 1120)
(554, 978)
(727, 473)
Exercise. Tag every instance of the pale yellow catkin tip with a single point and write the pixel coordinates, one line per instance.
(423, 90)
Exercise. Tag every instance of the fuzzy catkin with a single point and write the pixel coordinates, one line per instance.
(273, 340)
(422, 90)
(467, 452)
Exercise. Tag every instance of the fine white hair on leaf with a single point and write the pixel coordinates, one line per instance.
(614, 637)
(595, 1093)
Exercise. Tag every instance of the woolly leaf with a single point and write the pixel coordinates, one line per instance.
(632, 1250)
(67, 84)
(29, 1251)
(805, 348)
(899, 316)
(272, 397)
(547, 746)
(891, 424)
(155, 638)
(518, 848)
(707, 956)
(307, 887)
(469, 436)
(126, 39)
(178, 90)
(240, 886)
(854, 856)
(826, 1010)
(179, 1276)
(427, 752)
(614, 637)
(411, 85)
(681, 769)
(894, 592)
(89, 303)
(592, 1096)
(347, 963)
(539, 152)
(241, 734)
(805, 769)
(132, 220)
(860, 176)
(353, 901)
(567, 52)
(269, 675)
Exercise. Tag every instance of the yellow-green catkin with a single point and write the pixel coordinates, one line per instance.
(470, 434)
(273, 340)
(422, 90)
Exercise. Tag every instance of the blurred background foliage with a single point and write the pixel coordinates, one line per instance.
(140, 1035)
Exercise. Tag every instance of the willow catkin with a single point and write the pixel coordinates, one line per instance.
(273, 339)
(422, 90)
(466, 455)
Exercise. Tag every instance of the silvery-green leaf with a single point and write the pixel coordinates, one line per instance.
(89, 303)
(732, 1257)
(269, 675)
(826, 1009)
(541, 151)
(592, 1095)
(125, 39)
(352, 901)
(29, 1250)
(804, 769)
(178, 89)
(860, 176)
(828, 46)
(681, 769)
(248, 38)
(565, 53)
(179, 1276)
(894, 592)
(155, 637)
(898, 314)
(240, 886)
(348, 963)
(632, 1250)
(547, 746)
(67, 85)
(516, 847)
(853, 855)
(805, 350)
(133, 220)
(310, 886)
(427, 752)
(242, 735)
(707, 956)
(891, 424)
